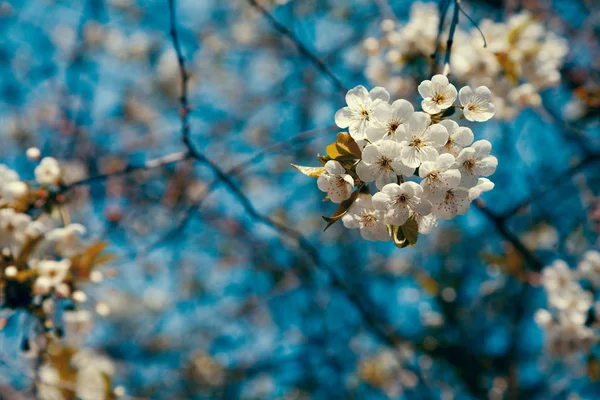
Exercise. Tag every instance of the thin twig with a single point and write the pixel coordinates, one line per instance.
(285, 31)
(151, 164)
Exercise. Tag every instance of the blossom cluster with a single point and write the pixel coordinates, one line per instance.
(44, 264)
(521, 58)
(570, 322)
(424, 164)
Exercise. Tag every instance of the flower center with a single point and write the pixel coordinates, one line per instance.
(449, 143)
(369, 219)
(401, 200)
(439, 98)
(449, 197)
(434, 176)
(365, 114)
(470, 164)
(385, 163)
(392, 127)
(417, 142)
(340, 182)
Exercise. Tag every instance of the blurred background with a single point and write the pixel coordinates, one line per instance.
(213, 293)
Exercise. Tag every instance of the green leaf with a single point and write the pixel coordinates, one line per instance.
(448, 112)
(397, 236)
(410, 229)
(342, 209)
(313, 172)
(405, 235)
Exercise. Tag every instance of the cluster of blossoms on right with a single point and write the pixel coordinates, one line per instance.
(521, 59)
(424, 165)
(572, 320)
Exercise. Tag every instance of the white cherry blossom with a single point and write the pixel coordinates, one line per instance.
(335, 182)
(483, 185)
(589, 267)
(359, 114)
(68, 239)
(454, 202)
(420, 140)
(439, 176)
(425, 222)
(388, 119)
(51, 274)
(47, 172)
(459, 137)
(397, 201)
(474, 162)
(477, 104)
(438, 94)
(362, 215)
(381, 163)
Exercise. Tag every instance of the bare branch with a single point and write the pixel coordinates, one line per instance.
(285, 31)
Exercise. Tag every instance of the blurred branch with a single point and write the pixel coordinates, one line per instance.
(285, 31)
(500, 224)
(151, 164)
(554, 185)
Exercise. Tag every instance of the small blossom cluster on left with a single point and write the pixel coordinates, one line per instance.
(44, 259)
(393, 146)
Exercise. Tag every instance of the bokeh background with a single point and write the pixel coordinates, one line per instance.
(206, 299)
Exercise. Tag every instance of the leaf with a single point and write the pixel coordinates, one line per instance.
(509, 67)
(448, 112)
(313, 172)
(346, 144)
(323, 159)
(344, 148)
(428, 284)
(342, 209)
(405, 235)
(92, 256)
(410, 229)
(593, 369)
(397, 236)
(26, 250)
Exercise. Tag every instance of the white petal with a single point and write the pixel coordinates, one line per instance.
(379, 93)
(334, 167)
(463, 136)
(425, 89)
(464, 95)
(383, 112)
(381, 200)
(401, 169)
(366, 172)
(403, 110)
(444, 161)
(436, 135)
(410, 157)
(323, 182)
(450, 125)
(344, 117)
(370, 154)
(356, 97)
(426, 168)
(385, 178)
(482, 147)
(440, 80)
